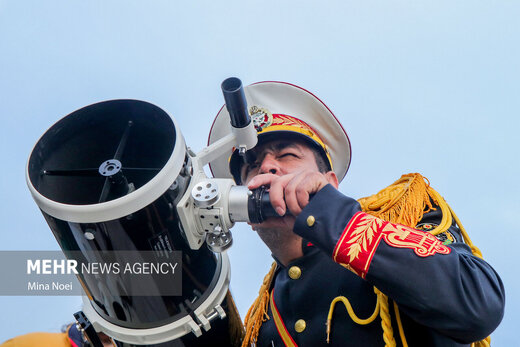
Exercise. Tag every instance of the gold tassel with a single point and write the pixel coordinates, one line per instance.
(235, 328)
(403, 202)
(483, 343)
(257, 313)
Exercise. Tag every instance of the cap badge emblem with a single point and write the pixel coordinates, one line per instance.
(261, 117)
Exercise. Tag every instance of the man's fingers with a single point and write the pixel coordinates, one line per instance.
(302, 194)
(291, 197)
(290, 191)
(276, 186)
(298, 191)
(261, 180)
(277, 193)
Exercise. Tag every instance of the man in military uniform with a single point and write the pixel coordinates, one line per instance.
(405, 287)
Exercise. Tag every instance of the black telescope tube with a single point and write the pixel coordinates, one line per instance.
(236, 102)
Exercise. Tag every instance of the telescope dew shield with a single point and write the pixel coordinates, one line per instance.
(107, 177)
(73, 173)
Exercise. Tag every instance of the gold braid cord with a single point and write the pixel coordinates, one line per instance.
(403, 202)
(257, 313)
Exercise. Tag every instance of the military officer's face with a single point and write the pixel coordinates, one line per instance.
(280, 158)
(291, 171)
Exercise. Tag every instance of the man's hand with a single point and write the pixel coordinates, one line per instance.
(291, 191)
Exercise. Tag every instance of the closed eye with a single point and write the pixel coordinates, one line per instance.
(288, 154)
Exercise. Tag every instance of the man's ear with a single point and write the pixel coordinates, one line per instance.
(332, 178)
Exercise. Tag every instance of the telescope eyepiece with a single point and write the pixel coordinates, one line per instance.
(236, 103)
(231, 85)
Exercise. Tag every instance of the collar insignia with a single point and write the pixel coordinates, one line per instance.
(426, 226)
(446, 238)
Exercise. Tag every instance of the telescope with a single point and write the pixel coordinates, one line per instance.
(117, 176)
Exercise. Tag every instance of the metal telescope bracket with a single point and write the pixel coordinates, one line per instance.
(211, 206)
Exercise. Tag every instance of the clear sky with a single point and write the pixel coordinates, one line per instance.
(429, 86)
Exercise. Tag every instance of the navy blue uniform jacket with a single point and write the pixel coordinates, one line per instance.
(446, 296)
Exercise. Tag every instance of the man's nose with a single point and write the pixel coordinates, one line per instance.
(270, 165)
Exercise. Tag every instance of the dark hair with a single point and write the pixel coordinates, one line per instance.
(320, 161)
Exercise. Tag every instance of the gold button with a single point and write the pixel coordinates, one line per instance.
(300, 325)
(295, 272)
(310, 220)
